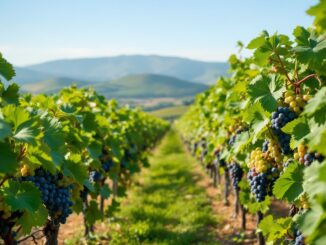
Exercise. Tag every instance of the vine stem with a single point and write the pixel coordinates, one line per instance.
(297, 84)
(283, 68)
(3, 180)
(31, 236)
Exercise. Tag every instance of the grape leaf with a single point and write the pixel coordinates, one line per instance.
(298, 129)
(274, 229)
(289, 185)
(318, 11)
(93, 213)
(315, 179)
(10, 95)
(6, 69)
(76, 171)
(311, 50)
(316, 107)
(317, 139)
(22, 196)
(266, 90)
(105, 191)
(5, 130)
(15, 115)
(8, 159)
(27, 132)
(33, 219)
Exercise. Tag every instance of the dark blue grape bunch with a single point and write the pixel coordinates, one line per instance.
(258, 184)
(236, 173)
(265, 146)
(279, 119)
(310, 157)
(107, 165)
(299, 239)
(57, 199)
(95, 176)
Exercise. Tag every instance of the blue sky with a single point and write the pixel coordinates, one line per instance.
(36, 30)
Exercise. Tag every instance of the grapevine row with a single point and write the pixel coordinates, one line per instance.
(70, 152)
(265, 129)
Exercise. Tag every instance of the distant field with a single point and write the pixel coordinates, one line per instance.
(170, 112)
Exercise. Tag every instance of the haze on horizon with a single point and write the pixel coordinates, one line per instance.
(36, 31)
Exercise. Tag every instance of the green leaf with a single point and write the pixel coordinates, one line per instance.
(256, 42)
(93, 213)
(311, 50)
(105, 191)
(5, 130)
(266, 90)
(22, 196)
(27, 132)
(6, 69)
(76, 171)
(8, 159)
(317, 139)
(318, 11)
(11, 95)
(316, 107)
(274, 229)
(290, 184)
(315, 179)
(30, 220)
(15, 115)
(298, 129)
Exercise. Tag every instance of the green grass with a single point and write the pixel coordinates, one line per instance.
(170, 112)
(168, 207)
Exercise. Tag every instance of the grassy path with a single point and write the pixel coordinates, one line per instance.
(166, 206)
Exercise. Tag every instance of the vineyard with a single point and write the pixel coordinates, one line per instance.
(260, 135)
(63, 154)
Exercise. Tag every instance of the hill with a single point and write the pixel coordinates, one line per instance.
(148, 86)
(110, 68)
(170, 113)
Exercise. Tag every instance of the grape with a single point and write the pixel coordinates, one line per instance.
(95, 176)
(107, 165)
(236, 173)
(57, 199)
(279, 119)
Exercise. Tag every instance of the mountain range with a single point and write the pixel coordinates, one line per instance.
(137, 76)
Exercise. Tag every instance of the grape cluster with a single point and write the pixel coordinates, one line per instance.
(261, 184)
(236, 173)
(257, 161)
(273, 151)
(258, 184)
(299, 239)
(280, 118)
(305, 157)
(296, 102)
(57, 199)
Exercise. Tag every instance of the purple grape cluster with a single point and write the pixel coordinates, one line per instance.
(279, 119)
(57, 199)
(236, 173)
(106, 166)
(258, 184)
(310, 157)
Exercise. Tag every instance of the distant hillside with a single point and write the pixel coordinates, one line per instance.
(110, 68)
(170, 113)
(148, 86)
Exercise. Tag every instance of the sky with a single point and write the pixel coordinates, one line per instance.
(35, 31)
